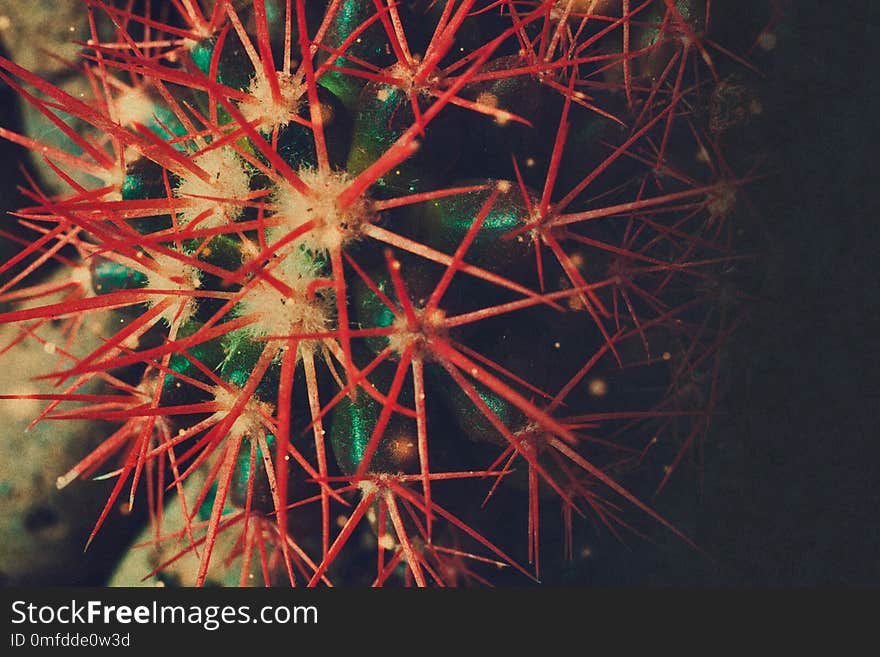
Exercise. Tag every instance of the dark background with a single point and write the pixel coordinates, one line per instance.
(791, 490)
(791, 482)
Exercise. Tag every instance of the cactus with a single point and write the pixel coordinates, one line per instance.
(422, 277)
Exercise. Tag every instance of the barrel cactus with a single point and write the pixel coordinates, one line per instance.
(393, 291)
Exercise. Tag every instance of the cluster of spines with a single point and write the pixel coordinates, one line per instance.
(356, 257)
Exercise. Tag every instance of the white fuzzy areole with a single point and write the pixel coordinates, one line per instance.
(250, 420)
(289, 314)
(333, 227)
(228, 179)
(261, 107)
(429, 323)
(132, 106)
(173, 274)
